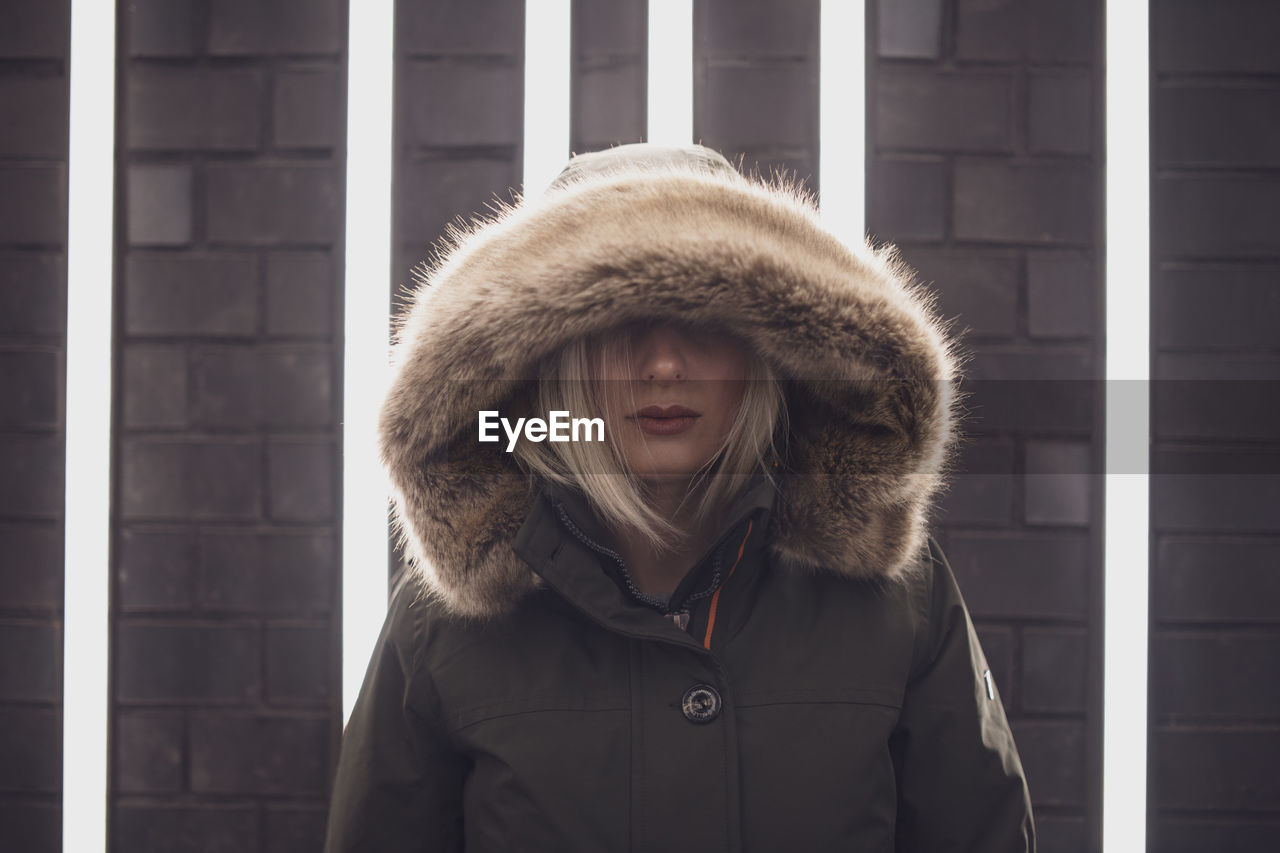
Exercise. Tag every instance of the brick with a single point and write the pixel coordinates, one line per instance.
(610, 28)
(1215, 126)
(175, 108)
(741, 106)
(1055, 670)
(1216, 215)
(1035, 202)
(256, 386)
(32, 827)
(1215, 674)
(32, 475)
(1061, 112)
(36, 28)
(1053, 756)
(190, 480)
(1059, 483)
(732, 28)
(149, 747)
(1061, 292)
(922, 109)
(1030, 391)
(1224, 411)
(294, 828)
(1217, 307)
(262, 572)
(1170, 834)
(31, 661)
(608, 106)
(207, 828)
(36, 204)
(30, 750)
(244, 754)
(981, 490)
(434, 192)
(38, 111)
(191, 295)
(1023, 576)
(298, 670)
(909, 29)
(155, 386)
(301, 480)
(273, 204)
(155, 569)
(275, 27)
(1216, 581)
(1011, 30)
(188, 663)
(997, 648)
(1055, 834)
(1251, 367)
(33, 293)
(1214, 769)
(31, 572)
(160, 205)
(1215, 36)
(908, 199)
(307, 107)
(1201, 501)
(461, 104)
(979, 289)
(31, 382)
(475, 27)
(300, 288)
(163, 27)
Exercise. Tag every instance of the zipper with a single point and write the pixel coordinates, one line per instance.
(679, 616)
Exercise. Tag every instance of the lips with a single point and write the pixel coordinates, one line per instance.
(667, 412)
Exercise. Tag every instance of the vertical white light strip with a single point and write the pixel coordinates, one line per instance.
(90, 215)
(1124, 775)
(842, 118)
(546, 92)
(670, 98)
(365, 550)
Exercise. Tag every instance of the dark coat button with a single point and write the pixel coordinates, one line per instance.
(701, 703)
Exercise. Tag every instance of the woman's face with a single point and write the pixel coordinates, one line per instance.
(670, 408)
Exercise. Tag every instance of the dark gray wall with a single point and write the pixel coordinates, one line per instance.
(227, 495)
(1215, 493)
(34, 41)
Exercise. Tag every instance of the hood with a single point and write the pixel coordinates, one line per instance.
(637, 232)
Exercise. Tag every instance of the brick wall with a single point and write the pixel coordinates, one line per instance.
(225, 694)
(985, 164)
(755, 83)
(34, 43)
(1215, 595)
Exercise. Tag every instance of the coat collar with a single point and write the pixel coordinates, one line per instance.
(868, 370)
(593, 584)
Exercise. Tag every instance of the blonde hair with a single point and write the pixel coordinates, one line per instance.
(570, 380)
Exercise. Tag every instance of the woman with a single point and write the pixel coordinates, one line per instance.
(724, 626)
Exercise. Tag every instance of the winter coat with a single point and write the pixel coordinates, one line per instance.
(828, 691)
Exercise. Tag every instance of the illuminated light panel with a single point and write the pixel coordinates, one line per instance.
(670, 94)
(842, 161)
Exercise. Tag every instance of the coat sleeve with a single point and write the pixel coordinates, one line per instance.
(398, 786)
(960, 781)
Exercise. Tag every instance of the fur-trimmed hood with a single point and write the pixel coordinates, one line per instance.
(640, 231)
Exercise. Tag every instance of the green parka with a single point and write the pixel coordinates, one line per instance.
(815, 683)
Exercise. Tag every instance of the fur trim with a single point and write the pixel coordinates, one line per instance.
(871, 411)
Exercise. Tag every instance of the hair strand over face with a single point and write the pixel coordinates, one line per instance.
(570, 381)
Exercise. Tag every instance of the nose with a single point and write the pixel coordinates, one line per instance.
(662, 354)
